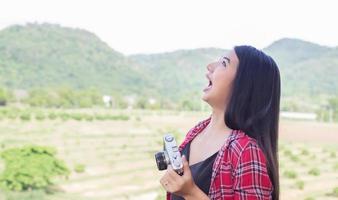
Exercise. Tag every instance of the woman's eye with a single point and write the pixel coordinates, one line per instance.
(224, 63)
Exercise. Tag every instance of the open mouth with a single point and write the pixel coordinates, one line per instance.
(209, 86)
(210, 83)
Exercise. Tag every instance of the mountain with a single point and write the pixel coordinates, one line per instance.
(307, 69)
(179, 73)
(48, 55)
(289, 50)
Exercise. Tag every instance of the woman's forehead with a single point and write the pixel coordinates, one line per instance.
(230, 56)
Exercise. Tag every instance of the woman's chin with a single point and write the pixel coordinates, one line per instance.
(205, 96)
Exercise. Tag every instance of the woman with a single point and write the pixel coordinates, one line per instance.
(233, 153)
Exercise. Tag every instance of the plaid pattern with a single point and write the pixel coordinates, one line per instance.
(239, 170)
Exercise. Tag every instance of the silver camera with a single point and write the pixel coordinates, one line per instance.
(170, 155)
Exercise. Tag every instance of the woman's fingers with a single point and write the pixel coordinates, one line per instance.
(172, 173)
(168, 182)
(167, 178)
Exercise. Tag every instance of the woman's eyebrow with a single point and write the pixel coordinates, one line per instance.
(226, 58)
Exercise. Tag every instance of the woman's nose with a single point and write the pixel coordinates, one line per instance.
(209, 67)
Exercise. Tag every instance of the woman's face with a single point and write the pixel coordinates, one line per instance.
(220, 74)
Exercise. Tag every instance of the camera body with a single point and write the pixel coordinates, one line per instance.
(170, 155)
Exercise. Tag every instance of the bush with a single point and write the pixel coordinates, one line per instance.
(100, 117)
(88, 117)
(335, 166)
(309, 198)
(294, 158)
(314, 172)
(300, 184)
(40, 116)
(64, 116)
(52, 116)
(290, 174)
(287, 152)
(333, 154)
(335, 192)
(12, 115)
(118, 117)
(77, 116)
(26, 116)
(305, 152)
(30, 167)
(79, 168)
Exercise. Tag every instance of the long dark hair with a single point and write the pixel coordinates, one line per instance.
(254, 104)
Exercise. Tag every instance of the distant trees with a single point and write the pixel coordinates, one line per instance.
(333, 104)
(67, 97)
(148, 103)
(190, 104)
(329, 111)
(5, 96)
(64, 97)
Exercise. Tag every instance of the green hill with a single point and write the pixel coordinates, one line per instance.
(308, 70)
(48, 55)
(181, 73)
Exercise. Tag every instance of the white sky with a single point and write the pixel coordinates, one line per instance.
(149, 26)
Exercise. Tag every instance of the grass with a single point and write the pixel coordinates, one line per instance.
(300, 184)
(335, 166)
(41, 114)
(334, 192)
(112, 152)
(290, 174)
(79, 168)
(294, 158)
(314, 172)
(305, 152)
(309, 198)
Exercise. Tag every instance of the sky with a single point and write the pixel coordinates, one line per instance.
(153, 26)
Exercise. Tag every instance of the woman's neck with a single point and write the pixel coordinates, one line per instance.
(217, 124)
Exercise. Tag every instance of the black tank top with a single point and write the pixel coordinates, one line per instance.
(201, 172)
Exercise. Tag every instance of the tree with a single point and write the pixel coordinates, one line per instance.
(31, 167)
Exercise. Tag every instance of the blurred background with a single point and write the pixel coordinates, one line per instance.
(88, 88)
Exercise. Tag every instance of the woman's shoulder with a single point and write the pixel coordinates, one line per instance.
(242, 147)
(248, 164)
(239, 140)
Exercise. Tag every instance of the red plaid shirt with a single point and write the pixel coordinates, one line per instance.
(239, 170)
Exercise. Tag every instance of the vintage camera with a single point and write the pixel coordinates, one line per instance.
(170, 155)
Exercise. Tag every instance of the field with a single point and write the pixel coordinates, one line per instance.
(113, 157)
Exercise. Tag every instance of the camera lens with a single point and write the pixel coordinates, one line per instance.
(161, 160)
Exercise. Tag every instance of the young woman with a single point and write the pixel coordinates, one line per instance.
(233, 153)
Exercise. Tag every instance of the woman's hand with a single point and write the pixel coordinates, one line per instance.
(183, 185)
